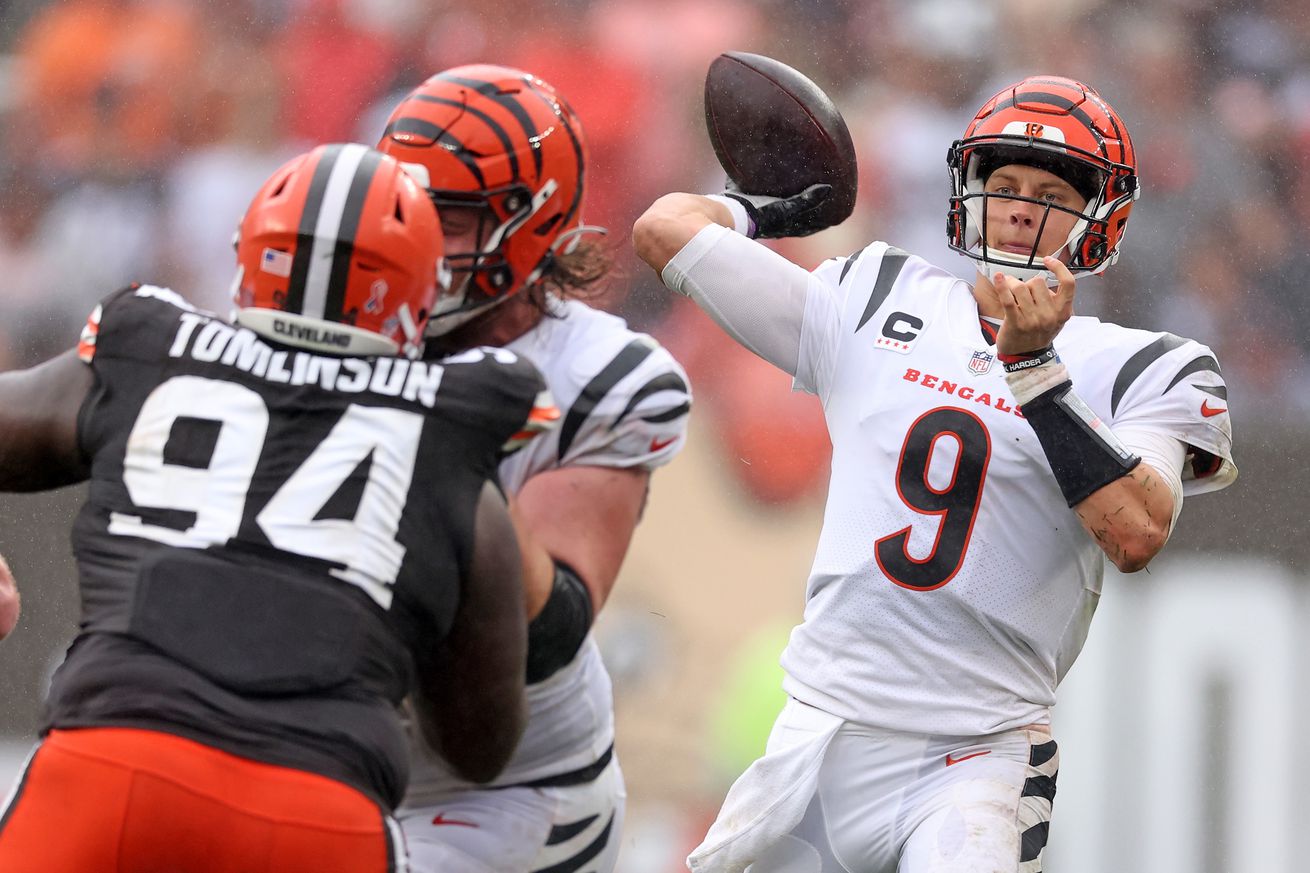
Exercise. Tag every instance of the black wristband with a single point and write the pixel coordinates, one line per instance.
(1083, 452)
(1028, 360)
(558, 631)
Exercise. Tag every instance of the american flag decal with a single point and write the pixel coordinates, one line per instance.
(276, 262)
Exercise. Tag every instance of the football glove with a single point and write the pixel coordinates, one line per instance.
(778, 217)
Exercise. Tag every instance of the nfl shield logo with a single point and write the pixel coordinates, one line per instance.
(980, 363)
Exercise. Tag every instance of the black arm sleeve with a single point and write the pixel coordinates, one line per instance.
(556, 634)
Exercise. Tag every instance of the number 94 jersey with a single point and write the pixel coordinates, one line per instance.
(269, 532)
(952, 587)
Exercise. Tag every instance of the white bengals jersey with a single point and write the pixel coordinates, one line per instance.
(624, 402)
(952, 586)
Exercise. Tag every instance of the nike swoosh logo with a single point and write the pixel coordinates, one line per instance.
(1209, 411)
(656, 444)
(950, 761)
(441, 819)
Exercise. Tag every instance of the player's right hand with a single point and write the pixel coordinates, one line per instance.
(778, 217)
(1034, 312)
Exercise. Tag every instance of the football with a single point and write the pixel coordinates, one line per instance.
(775, 132)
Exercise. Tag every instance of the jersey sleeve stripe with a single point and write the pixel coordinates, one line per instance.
(676, 412)
(588, 852)
(1201, 364)
(1137, 364)
(893, 261)
(850, 262)
(1220, 391)
(594, 391)
(663, 382)
(565, 832)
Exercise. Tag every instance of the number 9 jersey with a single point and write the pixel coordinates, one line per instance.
(952, 586)
(269, 533)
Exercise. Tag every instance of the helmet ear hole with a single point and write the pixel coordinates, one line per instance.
(400, 213)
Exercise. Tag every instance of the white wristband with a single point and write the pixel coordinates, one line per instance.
(1028, 384)
(741, 221)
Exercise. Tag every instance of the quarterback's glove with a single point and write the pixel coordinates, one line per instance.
(778, 217)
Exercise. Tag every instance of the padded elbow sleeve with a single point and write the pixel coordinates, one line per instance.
(1083, 452)
(557, 633)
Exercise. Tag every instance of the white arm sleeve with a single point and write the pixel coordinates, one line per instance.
(1161, 452)
(756, 295)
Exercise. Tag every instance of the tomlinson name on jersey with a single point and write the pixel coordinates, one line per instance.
(204, 338)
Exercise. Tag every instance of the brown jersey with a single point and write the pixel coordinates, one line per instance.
(269, 533)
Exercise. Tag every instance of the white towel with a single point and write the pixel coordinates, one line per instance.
(770, 798)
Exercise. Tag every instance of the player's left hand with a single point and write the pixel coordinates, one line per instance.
(1034, 312)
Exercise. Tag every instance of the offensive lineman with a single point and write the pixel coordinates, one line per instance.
(505, 157)
(291, 524)
(988, 447)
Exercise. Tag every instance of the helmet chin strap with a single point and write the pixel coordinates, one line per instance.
(991, 264)
(440, 325)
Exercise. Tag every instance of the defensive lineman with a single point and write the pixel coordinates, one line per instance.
(291, 524)
(988, 447)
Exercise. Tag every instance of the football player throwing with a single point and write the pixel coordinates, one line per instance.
(990, 448)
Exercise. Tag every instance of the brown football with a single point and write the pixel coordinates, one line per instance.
(775, 132)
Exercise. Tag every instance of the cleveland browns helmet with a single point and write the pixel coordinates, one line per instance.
(1061, 126)
(340, 252)
(503, 142)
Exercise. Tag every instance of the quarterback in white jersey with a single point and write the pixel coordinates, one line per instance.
(503, 156)
(989, 448)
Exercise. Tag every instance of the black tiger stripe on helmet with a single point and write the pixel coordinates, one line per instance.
(503, 142)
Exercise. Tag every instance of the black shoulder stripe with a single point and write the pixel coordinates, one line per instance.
(850, 262)
(1197, 365)
(578, 861)
(560, 833)
(624, 363)
(662, 382)
(893, 261)
(1220, 391)
(676, 412)
(1137, 364)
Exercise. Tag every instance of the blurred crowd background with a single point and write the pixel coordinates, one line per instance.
(134, 132)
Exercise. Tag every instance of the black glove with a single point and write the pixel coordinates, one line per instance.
(778, 217)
